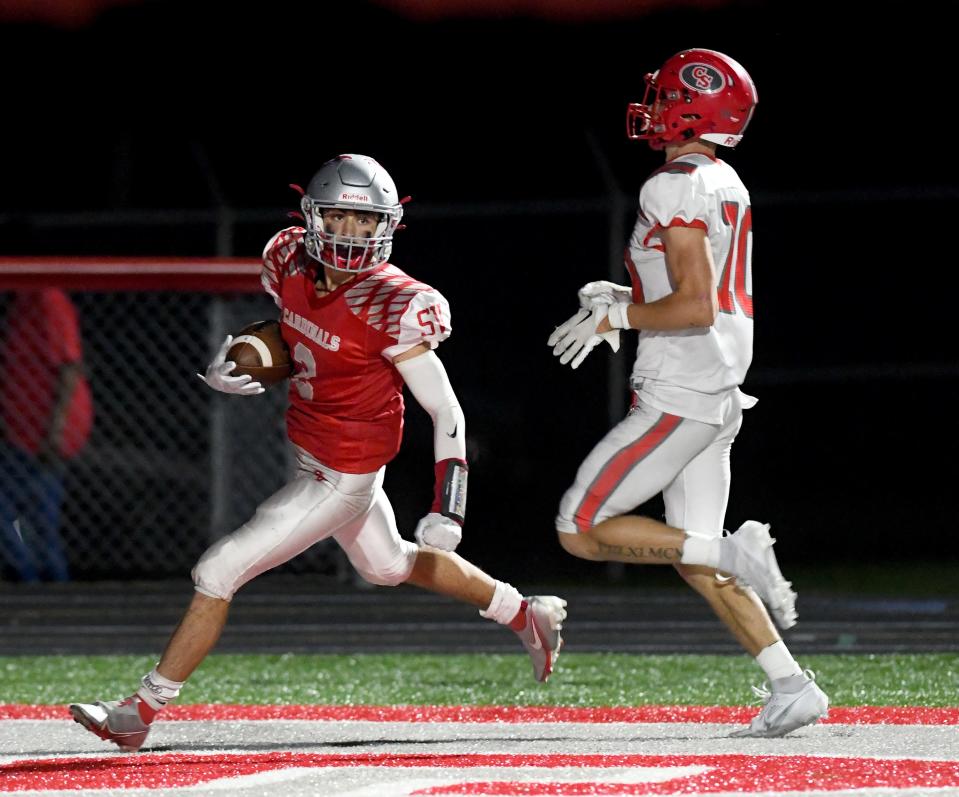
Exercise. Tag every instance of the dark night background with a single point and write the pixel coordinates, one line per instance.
(490, 120)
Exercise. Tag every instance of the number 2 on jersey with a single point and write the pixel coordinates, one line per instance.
(301, 379)
(737, 269)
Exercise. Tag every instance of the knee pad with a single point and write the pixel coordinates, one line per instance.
(571, 520)
(392, 571)
(211, 576)
(564, 523)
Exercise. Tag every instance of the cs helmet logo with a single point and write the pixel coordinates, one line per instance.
(702, 78)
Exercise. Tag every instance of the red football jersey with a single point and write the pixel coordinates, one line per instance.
(346, 397)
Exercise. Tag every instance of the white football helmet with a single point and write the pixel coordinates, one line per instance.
(351, 182)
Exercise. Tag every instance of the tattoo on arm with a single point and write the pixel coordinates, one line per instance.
(642, 554)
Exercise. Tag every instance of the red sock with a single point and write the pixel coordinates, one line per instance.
(518, 623)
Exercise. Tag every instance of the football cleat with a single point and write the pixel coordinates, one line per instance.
(541, 635)
(755, 565)
(119, 721)
(783, 712)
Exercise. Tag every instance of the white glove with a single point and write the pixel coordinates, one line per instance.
(604, 292)
(577, 337)
(438, 531)
(218, 375)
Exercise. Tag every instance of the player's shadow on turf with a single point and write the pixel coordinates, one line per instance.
(346, 744)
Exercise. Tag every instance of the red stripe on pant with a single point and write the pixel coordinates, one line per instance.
(622, 462)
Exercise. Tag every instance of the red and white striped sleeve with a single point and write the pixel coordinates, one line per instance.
(406, 311)
(425, 319)
(279, 257)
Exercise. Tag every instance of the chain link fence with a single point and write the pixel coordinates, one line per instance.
(168, 465)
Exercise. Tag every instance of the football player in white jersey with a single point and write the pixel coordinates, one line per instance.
(358, 329)
(690, 298)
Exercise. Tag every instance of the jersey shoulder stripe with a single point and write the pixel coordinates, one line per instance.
(381, 299)
(283, 246)
(282, 255)
(676, 167)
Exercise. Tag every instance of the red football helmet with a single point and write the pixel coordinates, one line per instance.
(695, 94)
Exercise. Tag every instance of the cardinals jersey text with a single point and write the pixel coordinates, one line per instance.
(690, 373)
(346, 399)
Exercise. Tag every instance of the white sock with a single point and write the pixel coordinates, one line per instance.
(156, 691)
(699, 550)
(505, 604)
(777, 662)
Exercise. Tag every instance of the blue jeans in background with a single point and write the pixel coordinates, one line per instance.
(31, 497)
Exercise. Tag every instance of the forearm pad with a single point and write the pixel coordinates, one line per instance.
(449, 497)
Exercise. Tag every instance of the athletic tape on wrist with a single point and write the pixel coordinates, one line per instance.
(450, 494)
(618, 318)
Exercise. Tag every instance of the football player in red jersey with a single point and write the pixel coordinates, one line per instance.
(358, 328)
(689, 262)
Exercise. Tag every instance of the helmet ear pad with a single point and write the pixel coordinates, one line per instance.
(382, 227)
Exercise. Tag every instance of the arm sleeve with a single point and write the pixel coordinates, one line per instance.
(426, 319)
(673, 200)
(278, 256)
(426, 378)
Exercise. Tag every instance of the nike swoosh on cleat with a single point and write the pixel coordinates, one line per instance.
(536, 644)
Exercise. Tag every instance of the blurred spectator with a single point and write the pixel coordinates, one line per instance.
(46, 410)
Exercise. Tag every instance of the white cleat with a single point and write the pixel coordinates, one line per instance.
(117, 721)
(784, 712)
(756, 566)
(541, 637)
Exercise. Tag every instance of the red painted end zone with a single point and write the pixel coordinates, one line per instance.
(724, 773)
(853, 715)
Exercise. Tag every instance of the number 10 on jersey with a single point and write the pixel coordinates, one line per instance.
(737, 270)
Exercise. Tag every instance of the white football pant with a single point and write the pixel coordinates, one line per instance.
(649, 452)
(319, 503)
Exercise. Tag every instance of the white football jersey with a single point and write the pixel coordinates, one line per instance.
(692, 372)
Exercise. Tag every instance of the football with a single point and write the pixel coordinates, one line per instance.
(258, 350)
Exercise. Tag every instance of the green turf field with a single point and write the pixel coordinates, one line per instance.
(581, 679)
